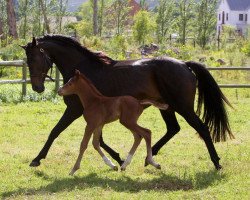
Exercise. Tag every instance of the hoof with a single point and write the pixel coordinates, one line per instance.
(120, 162)
(146, 163)
(35, 163)
(115, 168)
(71, 173)
(218, 167)
(158, 166)
(123, 169)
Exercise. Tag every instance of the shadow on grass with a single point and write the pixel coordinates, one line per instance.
(121, 184)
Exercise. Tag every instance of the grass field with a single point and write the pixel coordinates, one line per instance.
(187, 172)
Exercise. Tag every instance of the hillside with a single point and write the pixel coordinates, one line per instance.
(74, 4)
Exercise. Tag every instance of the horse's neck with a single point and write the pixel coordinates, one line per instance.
(87, 93)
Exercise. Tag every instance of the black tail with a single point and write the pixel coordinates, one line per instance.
(214, 112)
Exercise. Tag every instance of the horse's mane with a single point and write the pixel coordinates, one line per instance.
(95, 56)
(91, 84)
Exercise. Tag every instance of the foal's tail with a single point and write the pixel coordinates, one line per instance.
(214, 115)
(161, 106)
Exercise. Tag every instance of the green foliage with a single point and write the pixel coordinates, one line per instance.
(206, 21)
(246, 48)
(143, 26)
(165, 19)
(84, 28)
(13, 51)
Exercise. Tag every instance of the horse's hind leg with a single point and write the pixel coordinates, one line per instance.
(96, 144)
(203, 131)
(137, 141)
(83, 147)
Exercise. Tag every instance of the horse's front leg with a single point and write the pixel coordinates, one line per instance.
(110, 151)
(68, 117)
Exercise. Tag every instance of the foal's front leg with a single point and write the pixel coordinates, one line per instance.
(96, 144)
(83, 147)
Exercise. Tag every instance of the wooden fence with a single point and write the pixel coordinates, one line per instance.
(24, 80)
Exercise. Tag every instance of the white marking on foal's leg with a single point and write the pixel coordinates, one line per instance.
(126, 162)
(109, 163)
(151, 161)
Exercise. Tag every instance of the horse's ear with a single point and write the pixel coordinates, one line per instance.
(77, 73)
(23, 46)
(34, 42)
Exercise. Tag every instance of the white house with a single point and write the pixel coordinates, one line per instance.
(235, 13)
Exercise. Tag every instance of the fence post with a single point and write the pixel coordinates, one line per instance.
(24, 79)
(57, 82)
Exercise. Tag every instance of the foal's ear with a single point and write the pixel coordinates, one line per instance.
(34, 42)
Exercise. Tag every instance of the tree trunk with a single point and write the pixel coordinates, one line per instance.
(1, 28)
(95, 17)
(46, 21)
(11, 19)
(100, 22)
(25, 19)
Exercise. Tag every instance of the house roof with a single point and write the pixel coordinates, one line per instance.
(239, 4)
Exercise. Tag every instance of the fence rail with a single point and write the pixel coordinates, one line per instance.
(24, 80)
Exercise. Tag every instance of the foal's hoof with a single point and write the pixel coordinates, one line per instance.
(35, 163)
(123, 169)
(115, 168)
(158, 166)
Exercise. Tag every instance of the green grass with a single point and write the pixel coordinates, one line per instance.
(187, 172)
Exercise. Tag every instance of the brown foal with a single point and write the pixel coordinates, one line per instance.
(100, 110)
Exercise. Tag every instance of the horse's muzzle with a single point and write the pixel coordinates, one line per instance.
(38, 89)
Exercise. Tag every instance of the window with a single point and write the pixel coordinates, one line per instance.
(240, 17)
(219, 17)
(227, 17)
(246, 17)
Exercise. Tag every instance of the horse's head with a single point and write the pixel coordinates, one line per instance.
(71, 86)
(39, 64)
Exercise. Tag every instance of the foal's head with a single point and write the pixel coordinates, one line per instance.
(71, 86)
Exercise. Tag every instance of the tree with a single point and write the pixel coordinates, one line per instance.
(184, 18)
(118, 16)
(95, 17)
(206, 21)
(61, 11)
(11, 16)
(44, 11)
(143, 25)
(165, 18)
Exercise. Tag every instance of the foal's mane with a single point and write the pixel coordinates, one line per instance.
(99, 57)
(91, 84)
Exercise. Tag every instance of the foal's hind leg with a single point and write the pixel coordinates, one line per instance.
(147, 136)
(96, 144)
(83, 147)
(137, 141)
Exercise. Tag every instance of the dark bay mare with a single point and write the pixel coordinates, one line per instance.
(163, 79)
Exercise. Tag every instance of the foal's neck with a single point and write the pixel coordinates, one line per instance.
(87, 92)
